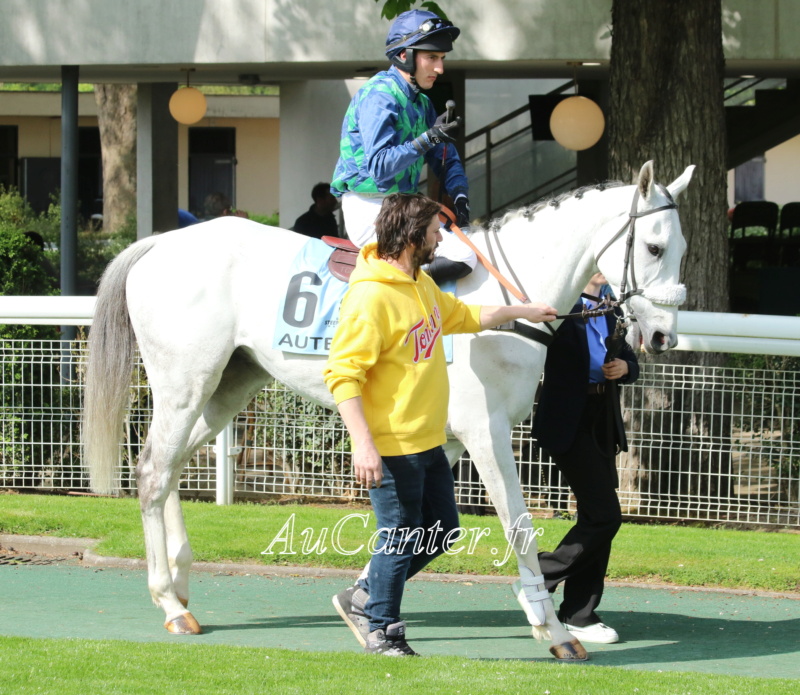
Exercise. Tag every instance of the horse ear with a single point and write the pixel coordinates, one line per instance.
(645, 181)
(679, 185)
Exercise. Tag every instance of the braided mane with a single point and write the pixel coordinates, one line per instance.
(553, 201)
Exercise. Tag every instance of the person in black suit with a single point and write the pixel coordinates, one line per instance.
(579, 424)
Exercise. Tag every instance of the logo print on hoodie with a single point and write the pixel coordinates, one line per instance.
(425, 335)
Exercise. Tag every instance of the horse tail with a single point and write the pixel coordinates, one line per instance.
(112, 347)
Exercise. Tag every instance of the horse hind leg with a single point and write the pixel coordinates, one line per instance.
(179, 550)
(158, 474)
(240, 381)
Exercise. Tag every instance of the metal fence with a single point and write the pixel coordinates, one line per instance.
(706, 443)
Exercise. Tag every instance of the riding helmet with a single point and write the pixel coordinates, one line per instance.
(421, 30)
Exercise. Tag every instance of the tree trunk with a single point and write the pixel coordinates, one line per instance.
(667, 104)
(116, 115)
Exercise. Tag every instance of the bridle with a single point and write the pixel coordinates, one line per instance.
(676, 293)
(630, 226)
(671, 295)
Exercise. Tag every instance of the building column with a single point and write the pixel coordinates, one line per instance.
(156, 160)
(69, 181)
(311, 125)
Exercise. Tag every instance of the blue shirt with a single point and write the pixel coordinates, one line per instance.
(596, 334)
(186, 218)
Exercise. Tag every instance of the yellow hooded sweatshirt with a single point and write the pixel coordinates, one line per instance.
(388, 350)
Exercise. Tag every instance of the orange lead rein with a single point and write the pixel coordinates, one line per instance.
(444, 215)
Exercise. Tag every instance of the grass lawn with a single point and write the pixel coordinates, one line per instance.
(681, 555)
(78, 667)
(239, 533)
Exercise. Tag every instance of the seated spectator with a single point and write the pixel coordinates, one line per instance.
(186, 219)
(319, 221)
(219, 205)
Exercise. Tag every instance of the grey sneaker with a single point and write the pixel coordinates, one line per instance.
(389, 642)
(350, 606)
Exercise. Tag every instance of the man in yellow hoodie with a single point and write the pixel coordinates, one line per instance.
(388, 375)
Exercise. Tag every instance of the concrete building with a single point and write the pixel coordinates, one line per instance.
(314, 50)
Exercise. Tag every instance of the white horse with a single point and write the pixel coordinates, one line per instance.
(202, 303)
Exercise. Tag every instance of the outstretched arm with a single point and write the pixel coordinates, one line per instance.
(535, 312)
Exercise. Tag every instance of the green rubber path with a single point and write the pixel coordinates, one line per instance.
(675, 630)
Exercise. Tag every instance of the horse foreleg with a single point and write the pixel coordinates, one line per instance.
(490, 449)
(535, 599)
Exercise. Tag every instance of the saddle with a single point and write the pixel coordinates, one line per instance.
(343, 259)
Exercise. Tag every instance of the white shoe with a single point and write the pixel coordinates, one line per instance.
(599, 633)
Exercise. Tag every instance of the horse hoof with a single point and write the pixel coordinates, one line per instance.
(184, 624)
(569, 651)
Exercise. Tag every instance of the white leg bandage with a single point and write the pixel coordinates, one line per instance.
(529, 597)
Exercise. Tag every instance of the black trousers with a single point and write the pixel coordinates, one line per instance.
(581, 558)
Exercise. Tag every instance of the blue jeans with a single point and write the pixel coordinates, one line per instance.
(415, 508)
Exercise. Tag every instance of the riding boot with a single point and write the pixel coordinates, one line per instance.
(443, 269)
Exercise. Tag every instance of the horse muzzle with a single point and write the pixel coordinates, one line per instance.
(661, 342)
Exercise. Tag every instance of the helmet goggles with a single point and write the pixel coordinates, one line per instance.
(427, 27)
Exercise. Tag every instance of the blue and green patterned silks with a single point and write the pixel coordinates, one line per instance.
(376, 154)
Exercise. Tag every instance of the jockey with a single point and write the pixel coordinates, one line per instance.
(391, 130)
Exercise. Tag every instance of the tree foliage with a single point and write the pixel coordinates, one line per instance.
(24, 268)
(392, 8)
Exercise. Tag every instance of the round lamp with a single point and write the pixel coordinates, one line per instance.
(187, 105)
(577, 123)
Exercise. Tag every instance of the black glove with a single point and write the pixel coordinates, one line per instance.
(439, 132)
(461, 205)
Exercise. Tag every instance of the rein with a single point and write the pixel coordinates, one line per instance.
(489, 265)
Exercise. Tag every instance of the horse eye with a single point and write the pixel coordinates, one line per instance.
(654, 250)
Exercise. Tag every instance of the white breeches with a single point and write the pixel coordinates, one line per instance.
(360, 212)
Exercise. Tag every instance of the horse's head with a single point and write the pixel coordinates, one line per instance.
(645, 271)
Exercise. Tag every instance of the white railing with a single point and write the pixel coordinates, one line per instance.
(700, 331)
(47, 311)
(706, 443)
(753, 334)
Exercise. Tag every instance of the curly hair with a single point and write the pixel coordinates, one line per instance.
(403, 221)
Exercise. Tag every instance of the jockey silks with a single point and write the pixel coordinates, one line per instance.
(376, 150)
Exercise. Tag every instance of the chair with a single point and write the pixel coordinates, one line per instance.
(754, 213)
(752, 246)
(788, 237)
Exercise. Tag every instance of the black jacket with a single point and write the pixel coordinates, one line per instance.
(566, 378)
